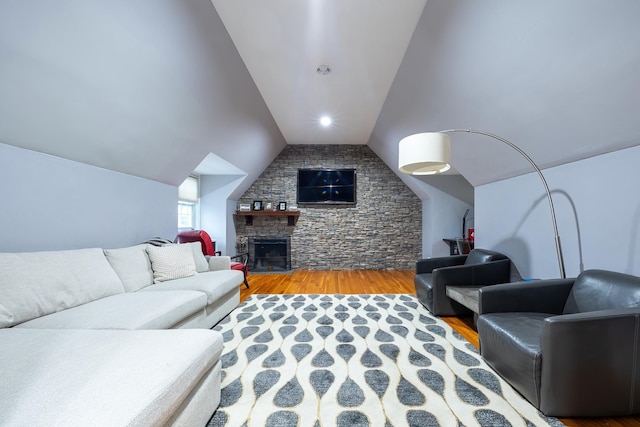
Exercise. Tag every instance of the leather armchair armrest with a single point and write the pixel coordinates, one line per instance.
(427, 265)
(590, 363)
(540, 296)
(488, 273)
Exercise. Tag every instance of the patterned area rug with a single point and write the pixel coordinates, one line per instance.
(357, 360)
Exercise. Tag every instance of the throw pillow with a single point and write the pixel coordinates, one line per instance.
(171, 262)
(202, 264)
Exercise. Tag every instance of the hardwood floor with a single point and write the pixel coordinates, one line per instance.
(381, 282)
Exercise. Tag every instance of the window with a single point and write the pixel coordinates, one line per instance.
(186, 215)
(188, 202)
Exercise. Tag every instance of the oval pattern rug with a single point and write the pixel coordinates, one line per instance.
(357, 360)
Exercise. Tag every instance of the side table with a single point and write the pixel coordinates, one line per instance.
(466, 296)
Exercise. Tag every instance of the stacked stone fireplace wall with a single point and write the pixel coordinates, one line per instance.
(382, 231)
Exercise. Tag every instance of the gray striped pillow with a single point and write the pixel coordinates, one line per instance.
(171, 262)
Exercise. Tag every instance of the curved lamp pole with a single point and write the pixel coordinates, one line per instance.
(428, 153)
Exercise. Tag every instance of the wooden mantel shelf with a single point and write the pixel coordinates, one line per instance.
(292, 216)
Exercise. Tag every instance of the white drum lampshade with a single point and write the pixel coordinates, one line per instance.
(424, 153)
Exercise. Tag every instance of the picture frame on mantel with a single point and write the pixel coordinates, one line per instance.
(257, 205)
(282, 206)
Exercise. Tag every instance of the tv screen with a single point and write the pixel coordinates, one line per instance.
(331, 186)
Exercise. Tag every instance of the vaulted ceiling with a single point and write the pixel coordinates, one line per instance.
(152, 88)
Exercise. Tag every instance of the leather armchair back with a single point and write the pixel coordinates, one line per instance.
(595, 290)
(481, 256)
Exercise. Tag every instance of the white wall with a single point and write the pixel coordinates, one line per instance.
(216, 212)
(445, 199)
(441, 218)
(49, 203)
(597, 206)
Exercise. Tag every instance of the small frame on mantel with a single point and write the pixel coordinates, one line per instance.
(282, 206)
(257, 205)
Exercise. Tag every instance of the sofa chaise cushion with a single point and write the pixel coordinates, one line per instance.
(214, 284)
(108, 378)
(40, 283)
(132, 310)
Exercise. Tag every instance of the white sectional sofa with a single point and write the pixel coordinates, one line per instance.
(85, 336)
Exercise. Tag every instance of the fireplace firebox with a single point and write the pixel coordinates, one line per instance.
(270, 254)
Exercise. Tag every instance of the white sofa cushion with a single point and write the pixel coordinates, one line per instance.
(219, 263)
(131, 310)
(214, 284)
(201, 262)
(171, 262)
(132, 266)
(101, 378)
(39, 283)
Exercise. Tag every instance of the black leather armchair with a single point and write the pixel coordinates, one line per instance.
(478, 268)
(571, 347)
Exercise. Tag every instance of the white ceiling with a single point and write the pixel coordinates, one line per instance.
(157, 89)
(283, 42)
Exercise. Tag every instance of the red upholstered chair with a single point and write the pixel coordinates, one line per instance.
(208, 248)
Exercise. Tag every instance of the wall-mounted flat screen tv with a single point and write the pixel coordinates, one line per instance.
(330, 186)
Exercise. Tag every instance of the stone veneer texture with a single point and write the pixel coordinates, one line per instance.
(383, 231)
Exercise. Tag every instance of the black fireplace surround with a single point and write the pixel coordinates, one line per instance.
(270, 254)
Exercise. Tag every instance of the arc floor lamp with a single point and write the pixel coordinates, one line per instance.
(429, 153)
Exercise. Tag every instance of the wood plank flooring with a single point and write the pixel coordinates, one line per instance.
(382, 282)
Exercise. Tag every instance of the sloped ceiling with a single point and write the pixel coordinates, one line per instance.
(151, 88)
(284, 43)
(145, 87)
(558, 79)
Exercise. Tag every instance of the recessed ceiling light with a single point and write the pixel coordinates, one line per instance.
(325, 121)
(323, 70)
